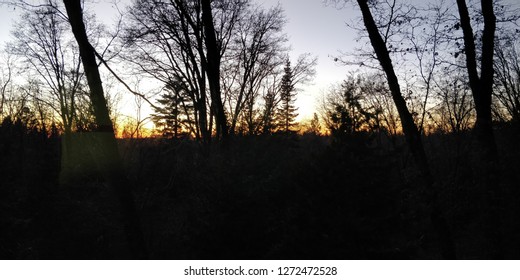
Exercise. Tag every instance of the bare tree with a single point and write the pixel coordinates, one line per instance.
(5, 83)
(456, 109)
(409, 128)
(427, 40)
(213, 60)
(479, 51)
(184, 42)
(507, 77)
(165, 41)
(109, 158)
(481, 85)
(362, 102)
(377, 96)
(255, 53)
(42, 115)
(50, 55)
(379, 38)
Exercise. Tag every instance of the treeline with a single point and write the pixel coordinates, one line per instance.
(241, 81)
(256, 82)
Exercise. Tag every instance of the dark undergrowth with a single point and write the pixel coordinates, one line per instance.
(275, 197)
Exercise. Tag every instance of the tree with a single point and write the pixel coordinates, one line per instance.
(14, 101)
(378, 100)
(287, 111)
(427, 39)
(481, 80)
(5, 83)
(270, 104)
(346, 108)
(256, 52)
(456, 110)
(50, 55)
(173, 113)
(165, 41)
(507, 77)
(481, 85)
(314, 125)
(279, 111)
(411, 132)
(213, 60)
(185, 41)
(108, 158)
(409, 128)
(41, 114)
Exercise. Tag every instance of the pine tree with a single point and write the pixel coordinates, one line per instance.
(315, 126)
(268, 116)
(171, 112)
(287, 112)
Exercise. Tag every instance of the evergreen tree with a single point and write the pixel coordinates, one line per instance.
(349, 115)
(268, 116)
(315, 126)
(287, 112)
(173, 111)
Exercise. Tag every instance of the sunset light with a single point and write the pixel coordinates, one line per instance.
(260, 130)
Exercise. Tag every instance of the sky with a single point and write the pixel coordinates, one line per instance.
(312, 27)
(321, 30)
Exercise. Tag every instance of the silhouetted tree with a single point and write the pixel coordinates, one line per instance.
(213, 60)
(456, 111)
(167, 38)
(427, 39)
(481, 85)
(481, 78)
(47, 49)
(109, 159)
(42, 112)
(279, 111)
(6, 86)
(185, 41)
(314, 125)
(268, 111)
(256, 53)
(507, 77)
(173, 113)
(378, 101)
(346, 109)
(287, 112)
(411, 132)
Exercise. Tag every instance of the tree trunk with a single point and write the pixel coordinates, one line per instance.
(213, 62)
(412, 134)
(487, 160)
(109, 159)
(481, 87)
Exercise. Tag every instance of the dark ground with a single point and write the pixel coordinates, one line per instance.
(273, 197)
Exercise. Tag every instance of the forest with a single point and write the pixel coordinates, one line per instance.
(414, 155)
